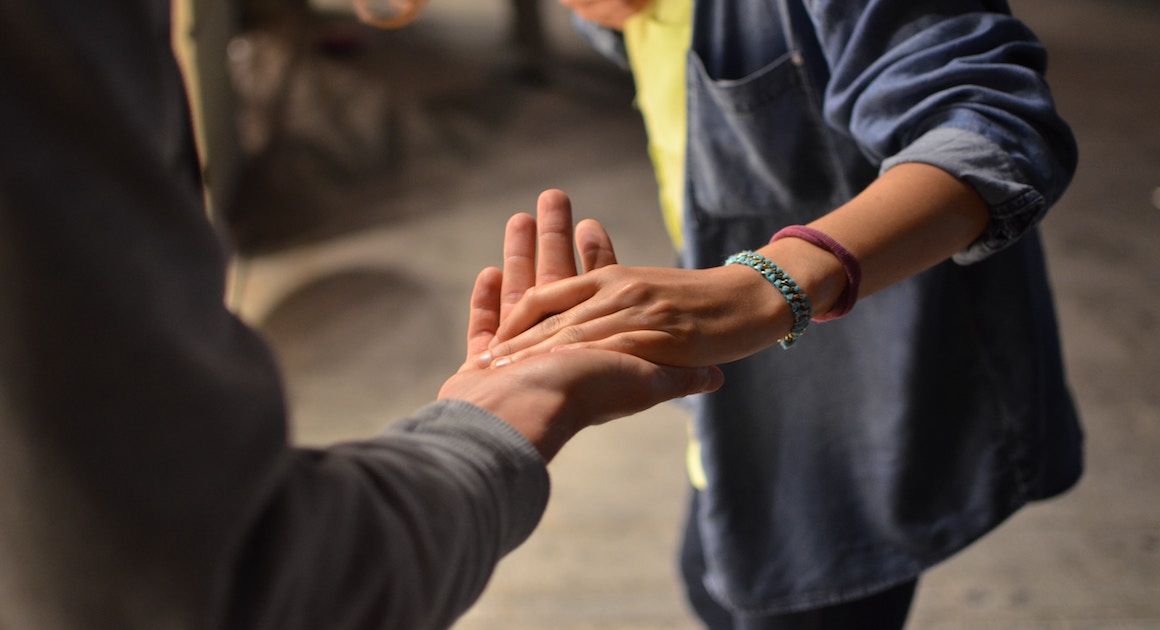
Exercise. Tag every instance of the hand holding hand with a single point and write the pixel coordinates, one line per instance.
(550, 398)
(670, 316)
(550, 234)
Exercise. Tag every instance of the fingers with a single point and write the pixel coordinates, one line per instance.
(609, 385)
(605, 333)
(543, 301)
(538, 252)
(594, 245)
(554, 237)
(483, 315)
(677, 382)
(519, 261)
(548, 236)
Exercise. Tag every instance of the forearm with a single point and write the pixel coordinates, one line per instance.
(961, 86)
(913, 217)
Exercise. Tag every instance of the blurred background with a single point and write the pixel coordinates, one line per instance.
(363, 177)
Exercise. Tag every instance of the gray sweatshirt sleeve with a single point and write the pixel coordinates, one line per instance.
(146, 480)
(397, 532)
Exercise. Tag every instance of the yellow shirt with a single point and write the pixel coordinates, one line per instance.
(657, 40)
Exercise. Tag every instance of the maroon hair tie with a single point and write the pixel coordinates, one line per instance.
(845, 302)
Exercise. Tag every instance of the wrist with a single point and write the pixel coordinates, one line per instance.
(791, 294)
(821, 276)
(539, 414)
(851, 268)
(768, 317)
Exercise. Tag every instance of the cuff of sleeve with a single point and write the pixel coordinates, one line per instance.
(484, 438)
(1015, 206)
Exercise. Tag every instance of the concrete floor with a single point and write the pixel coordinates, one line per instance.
(383, 174)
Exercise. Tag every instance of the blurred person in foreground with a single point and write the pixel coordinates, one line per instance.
(146, 478)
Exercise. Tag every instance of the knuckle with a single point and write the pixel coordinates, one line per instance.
(683, 332)
(627, 344)
(553, 324)
(667, 315)
(631, 291)
(531, 292)
(571, 334)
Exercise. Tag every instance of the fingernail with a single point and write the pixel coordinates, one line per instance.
(502, 362)
(483, 360)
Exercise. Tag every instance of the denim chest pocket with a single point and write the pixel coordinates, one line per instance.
(758, 147)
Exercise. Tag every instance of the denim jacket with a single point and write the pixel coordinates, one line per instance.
(885, 441)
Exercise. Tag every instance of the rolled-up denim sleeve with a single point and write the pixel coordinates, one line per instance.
(959, 85)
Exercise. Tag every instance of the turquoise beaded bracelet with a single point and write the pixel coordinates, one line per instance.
(799, 305)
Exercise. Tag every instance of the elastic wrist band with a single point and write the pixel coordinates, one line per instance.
(845, 302)
(799, 305)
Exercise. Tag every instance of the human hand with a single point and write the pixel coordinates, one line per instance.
(608, 13)
(668, 316)
(550, 235)
(550, 398)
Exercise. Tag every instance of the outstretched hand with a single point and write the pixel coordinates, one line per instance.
(551, 397)
(550, 235)
(684, 317)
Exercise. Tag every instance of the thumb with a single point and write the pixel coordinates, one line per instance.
(677, 382)
(618, 385)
